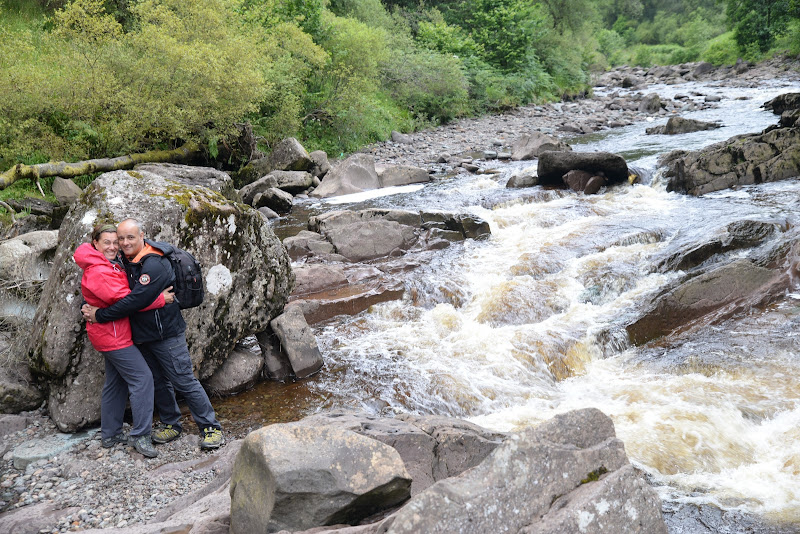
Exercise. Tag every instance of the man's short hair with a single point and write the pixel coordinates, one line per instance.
(137, 223)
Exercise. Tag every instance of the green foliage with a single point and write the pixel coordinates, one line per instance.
(757, 23)
(721, 50)
(611, 45)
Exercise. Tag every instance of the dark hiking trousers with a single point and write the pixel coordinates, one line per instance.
(127, 374)
(171, 366)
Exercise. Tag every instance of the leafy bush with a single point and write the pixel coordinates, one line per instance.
(721, 50)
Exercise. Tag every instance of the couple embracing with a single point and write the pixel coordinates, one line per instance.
(133, 321)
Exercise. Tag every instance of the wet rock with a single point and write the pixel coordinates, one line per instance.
(293, 182)
(699, 296)
(190, 175)
(366, 240)
(790, 118)
(275, 199)
(276, 363)
(314, 278)
(650, 104)
(251, 282)
(554, 165)
(679, 125)
(522, 180)
(348, 300)
(249, 191)
(353, 175)
(770, 156)
(307, 243)
(239, 372)
(395, 175)
(65, 190)
(297, 341)
(782, 103)
(703, 68)
(268, 213)
(548, 479)
(295, 476)
(530, 146)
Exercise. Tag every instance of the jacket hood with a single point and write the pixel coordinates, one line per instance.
(87, 256)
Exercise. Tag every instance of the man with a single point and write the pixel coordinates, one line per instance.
(160, 336)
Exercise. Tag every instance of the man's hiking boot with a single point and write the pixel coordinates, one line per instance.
(166, 433)
(113, 440)
(212, 438)
(143, 445)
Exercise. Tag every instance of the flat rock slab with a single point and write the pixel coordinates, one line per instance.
(42, 449)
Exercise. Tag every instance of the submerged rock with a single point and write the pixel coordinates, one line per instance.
(554, 165)
(679, 125)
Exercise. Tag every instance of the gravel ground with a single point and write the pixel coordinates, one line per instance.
(118, 487)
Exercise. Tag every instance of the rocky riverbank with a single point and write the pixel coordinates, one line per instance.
(91, 487)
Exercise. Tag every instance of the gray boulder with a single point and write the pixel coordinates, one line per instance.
(570, 474)
(783, 103)
(65, 191)
(770, 156)
(276, 363)
(353, 175)
(522, 180)
(703, 294)
(584, 182)
(18, 391)
(367, 240)
(25, 264)
(530, 146)
(298, 342)
(395, 175)
(293, 182)
(650, 104)
(239, 372)
(401, 138)
(249, 191)
(294, 476)
(245, 267)
(288, 155)
(554, 165)
(275, 199)
(317, 277)
(432, 447)
(321, 164)
(192, 176)
(307, 243)
(679, 125)
(703, 68)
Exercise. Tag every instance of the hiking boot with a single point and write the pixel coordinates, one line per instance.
(166, 433)
(113, 440)
(143, 445)
(212, 438)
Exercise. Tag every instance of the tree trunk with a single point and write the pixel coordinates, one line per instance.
(70, 170)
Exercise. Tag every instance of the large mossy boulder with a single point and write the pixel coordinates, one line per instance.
(246, 272)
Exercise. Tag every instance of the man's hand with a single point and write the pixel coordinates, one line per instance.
(169, 295)
(88, 312)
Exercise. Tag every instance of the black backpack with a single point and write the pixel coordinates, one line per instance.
(188, 285)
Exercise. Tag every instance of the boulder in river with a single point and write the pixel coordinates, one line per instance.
(584, 182)
(703, 294)
(783, 103)
(770, 156)
(554, 165)
(679, 125)
(353, 175)
(288, 155)
(297, 341)
(394, 175)
(530, 146)
(246, 272)
(650, 104)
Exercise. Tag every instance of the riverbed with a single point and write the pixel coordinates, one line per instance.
(511, 331)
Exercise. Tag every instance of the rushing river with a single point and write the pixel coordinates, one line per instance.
(511, 331)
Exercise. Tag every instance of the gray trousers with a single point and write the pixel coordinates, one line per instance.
(171, 366)
(126, 374)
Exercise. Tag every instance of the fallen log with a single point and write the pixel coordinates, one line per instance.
(70, 170)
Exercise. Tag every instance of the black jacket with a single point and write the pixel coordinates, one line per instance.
(147, 278)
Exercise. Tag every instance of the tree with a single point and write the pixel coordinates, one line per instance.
(757, 23)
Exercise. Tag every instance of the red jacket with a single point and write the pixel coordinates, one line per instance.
(103, 284)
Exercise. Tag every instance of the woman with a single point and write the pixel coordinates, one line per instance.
(104, 282)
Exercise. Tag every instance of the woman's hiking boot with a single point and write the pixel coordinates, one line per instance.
(166, 433)
(212, 438)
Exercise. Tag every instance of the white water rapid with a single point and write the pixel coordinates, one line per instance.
(511, 331)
